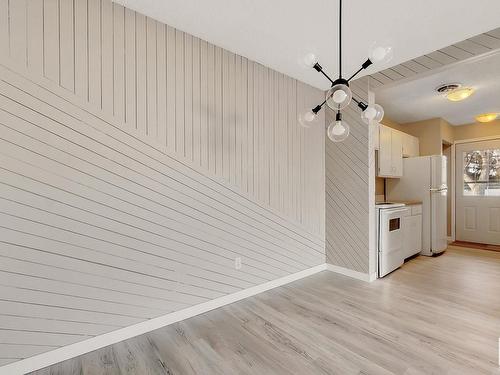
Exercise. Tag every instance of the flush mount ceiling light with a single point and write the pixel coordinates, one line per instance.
(486, 117)
(454, 92)
(460, 94)
(340, 95)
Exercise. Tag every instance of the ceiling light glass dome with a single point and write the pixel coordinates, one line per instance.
(339, 96)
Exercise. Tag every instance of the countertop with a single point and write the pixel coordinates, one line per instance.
(408, 203)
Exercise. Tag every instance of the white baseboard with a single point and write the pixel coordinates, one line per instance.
(46, 359)
(354, 274)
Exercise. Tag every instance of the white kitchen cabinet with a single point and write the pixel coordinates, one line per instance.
(410, 145)
(390, 154)
(412, 231)
(397, 153)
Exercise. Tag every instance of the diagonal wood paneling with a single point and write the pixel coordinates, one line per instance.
(347, 186)
(137, 162)
(463, 50)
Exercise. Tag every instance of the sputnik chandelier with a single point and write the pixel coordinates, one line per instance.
(339, 96)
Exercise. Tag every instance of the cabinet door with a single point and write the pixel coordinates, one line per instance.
(410, 146)
(385, 151)
(407, 145)
(397, 154)
(416, 146)
(413, 235)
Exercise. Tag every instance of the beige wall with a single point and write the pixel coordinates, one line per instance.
(477, 130)
(428, 133)
(447, 132)
(387, 121)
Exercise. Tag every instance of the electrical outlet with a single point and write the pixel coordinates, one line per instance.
(237, 263)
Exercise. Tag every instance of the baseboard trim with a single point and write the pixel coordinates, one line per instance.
(354, 274)
(67, 352)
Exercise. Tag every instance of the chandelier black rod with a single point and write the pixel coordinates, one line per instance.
(340, 39)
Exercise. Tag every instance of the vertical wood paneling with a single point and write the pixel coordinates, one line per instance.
(151, 79)
(211, 109)
(81, 49)
(34, 36)
(107, 62)
(250, 171)
(225, 115)
(161, 77)
(179, 93)
(67, 45)
(5, 29)
(203, 98)
(17, 24)
(188, 96)
(130, 69)
(127, 192)
(119, 62)
(196, 101)
(171, 88)
(94, 52)
(141, 74)
(218, 110)
(51, 39)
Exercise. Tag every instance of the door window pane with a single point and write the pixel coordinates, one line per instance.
(482, 173)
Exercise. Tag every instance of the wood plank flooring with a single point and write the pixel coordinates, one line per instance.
(474, 245)
(433, 316)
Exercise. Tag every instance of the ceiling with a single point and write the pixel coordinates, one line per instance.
(415, 99)
(278, 33)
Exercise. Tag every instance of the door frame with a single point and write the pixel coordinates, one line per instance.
(451, 188)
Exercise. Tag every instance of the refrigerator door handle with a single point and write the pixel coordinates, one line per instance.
(439, 189)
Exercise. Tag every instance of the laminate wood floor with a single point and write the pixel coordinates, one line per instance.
(433, 316)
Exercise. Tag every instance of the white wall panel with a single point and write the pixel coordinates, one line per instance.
(348, 191)
(136, 163)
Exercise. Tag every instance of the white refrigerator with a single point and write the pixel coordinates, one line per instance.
(424, 179)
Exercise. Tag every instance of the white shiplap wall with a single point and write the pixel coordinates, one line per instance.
(136, 163)
(349, 171)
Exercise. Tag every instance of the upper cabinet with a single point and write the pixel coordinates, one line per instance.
(392, 146)
(390, 154)
(410, 145)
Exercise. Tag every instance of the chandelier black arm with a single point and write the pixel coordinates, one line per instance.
(360, 104)
(319, 68)
(365, 65)
(316, 109)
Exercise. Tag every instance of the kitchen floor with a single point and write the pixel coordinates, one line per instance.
(433, 316)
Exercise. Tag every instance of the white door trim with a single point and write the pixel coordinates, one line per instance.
(452, 192)
(453, 177)
(481, 139)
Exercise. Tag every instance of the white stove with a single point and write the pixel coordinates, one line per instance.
(390, 252)
(388, 205)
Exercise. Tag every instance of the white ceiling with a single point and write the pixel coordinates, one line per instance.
(415, 99)
(277, 33)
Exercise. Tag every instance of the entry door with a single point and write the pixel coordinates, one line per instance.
(477, 192)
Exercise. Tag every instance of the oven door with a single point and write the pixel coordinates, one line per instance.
(390, 246)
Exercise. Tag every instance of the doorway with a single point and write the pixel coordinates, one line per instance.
(477, 192)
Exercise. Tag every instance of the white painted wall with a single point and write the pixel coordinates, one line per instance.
(136, 163)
